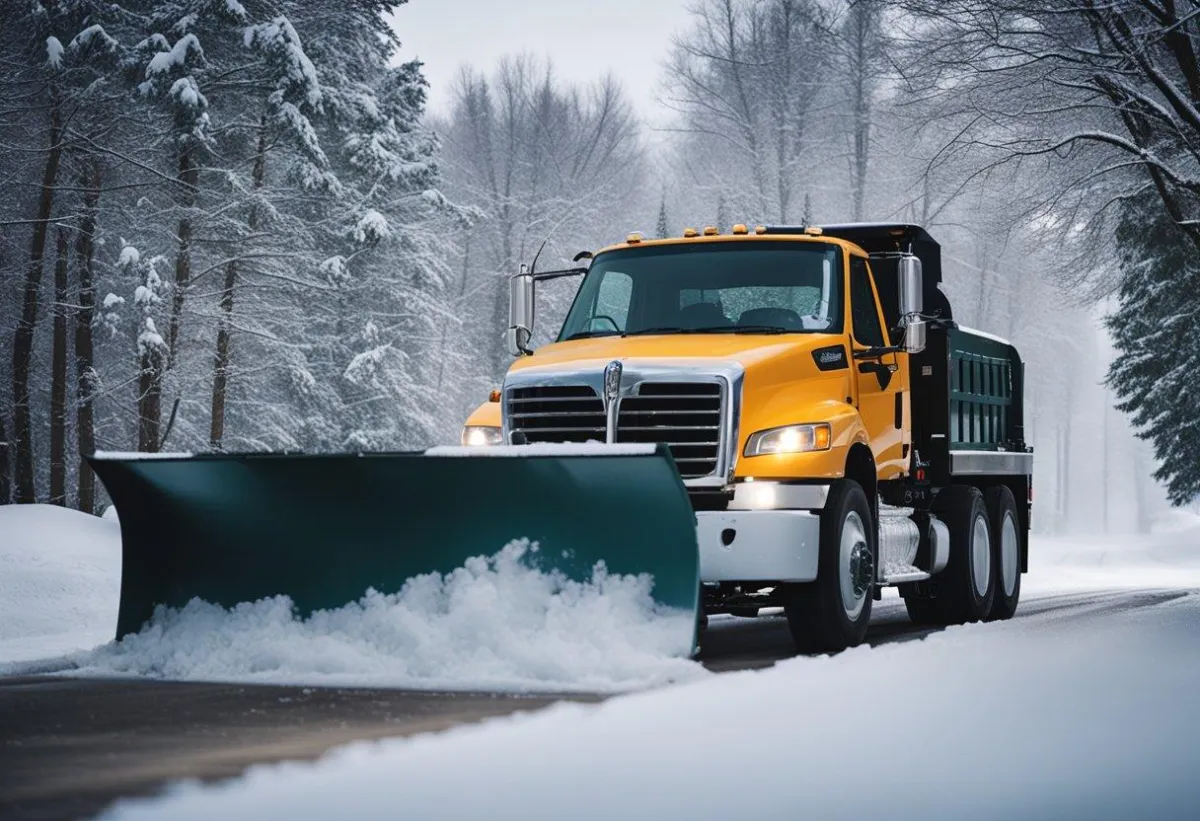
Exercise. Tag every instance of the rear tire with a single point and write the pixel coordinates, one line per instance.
(967, 587)
(1006, 551)
(832, 613)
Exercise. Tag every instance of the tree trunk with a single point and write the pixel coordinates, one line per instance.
(154, 363)
(5, 488)
(225, 331)
(22, 353)
(189, 173)
(150, 398)
(85, 386)
(58, 378)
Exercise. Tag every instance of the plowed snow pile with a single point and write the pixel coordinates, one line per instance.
(60, 579)
(494, 624)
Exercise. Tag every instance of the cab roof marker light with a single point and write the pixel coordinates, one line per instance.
(634, 238)
(740, 229)
(760, 229)
(711, 231)
(814, 231)
(688, 233)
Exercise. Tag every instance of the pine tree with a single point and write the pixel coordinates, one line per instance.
(663, 229)
(1156, 331)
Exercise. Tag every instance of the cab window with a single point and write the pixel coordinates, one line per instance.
(864, 315)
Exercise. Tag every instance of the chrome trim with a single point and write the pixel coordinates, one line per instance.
(990, 462)
(634, 371)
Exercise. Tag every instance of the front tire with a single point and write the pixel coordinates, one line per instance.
(1006, 552)
(832, 613)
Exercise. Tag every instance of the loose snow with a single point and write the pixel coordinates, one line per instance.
(60, 580)
(494, 624)
(1047, 717)
(54, 52)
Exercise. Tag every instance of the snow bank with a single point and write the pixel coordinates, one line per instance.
(494, 624)
(1050, 717)
(60, 580)
(1168, 557)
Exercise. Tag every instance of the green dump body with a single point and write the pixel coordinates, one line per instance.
(324, 529)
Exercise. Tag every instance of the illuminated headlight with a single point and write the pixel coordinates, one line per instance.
(480, 435)
(790, 439)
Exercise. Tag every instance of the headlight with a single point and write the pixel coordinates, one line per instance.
(480, 435)
(790, 439)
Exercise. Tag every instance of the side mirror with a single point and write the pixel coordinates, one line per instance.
(912, 303)
(520, 312)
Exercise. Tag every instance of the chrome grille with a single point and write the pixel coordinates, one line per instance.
(557, 413)
(684, 415)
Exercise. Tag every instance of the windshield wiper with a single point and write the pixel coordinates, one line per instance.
(665, 329)
(741, 329)
(711, 329)
(590, 334)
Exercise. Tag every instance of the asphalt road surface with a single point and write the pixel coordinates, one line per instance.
(69, 747)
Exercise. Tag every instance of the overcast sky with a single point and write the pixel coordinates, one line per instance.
(585, 38)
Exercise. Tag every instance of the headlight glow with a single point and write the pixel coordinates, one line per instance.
(790, 439)
(477, 436)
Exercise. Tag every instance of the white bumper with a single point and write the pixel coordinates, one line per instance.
(758, 545)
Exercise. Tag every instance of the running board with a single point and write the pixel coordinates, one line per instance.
(904, 575)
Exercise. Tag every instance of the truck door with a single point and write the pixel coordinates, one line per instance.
(882, 402)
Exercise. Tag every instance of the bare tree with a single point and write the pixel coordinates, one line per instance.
(86, 378)
(58, 375)
(746, 77)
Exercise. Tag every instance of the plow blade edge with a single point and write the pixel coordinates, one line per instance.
(324, 529)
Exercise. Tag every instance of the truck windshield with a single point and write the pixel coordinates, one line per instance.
(728, 287)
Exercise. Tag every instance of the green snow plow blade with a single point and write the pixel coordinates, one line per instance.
(324, 529)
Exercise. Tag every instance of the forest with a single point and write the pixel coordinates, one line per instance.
(237, 226)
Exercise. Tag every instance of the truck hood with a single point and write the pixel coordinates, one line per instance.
(750, 350)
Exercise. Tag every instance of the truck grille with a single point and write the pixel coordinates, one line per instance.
(557, 413)
(684, 415)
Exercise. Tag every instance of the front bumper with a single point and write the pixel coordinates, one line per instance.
(758, 545)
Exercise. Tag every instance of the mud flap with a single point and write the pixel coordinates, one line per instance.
(324, 529)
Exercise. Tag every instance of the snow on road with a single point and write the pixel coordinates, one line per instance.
(1051, 716)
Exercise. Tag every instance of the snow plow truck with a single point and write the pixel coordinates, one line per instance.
(770, 417)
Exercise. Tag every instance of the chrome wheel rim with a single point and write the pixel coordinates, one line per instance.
(1009, 549)
(856, 565)
(981, 555)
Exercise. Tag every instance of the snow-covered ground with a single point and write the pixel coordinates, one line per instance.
(1072, 712)
(60, 579)
(1066, 714)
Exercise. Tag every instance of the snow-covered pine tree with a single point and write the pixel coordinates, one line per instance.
(1156, 331)
(368, 348)
(662, 229)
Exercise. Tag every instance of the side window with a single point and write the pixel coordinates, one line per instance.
(863, 314)
(612, 302)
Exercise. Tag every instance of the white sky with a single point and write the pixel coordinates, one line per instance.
(585, 39)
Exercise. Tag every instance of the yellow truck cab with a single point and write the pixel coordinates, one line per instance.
(836, 430)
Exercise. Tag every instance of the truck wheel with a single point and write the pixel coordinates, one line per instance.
(967, 587)
(832, 613)
(1006, 551)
